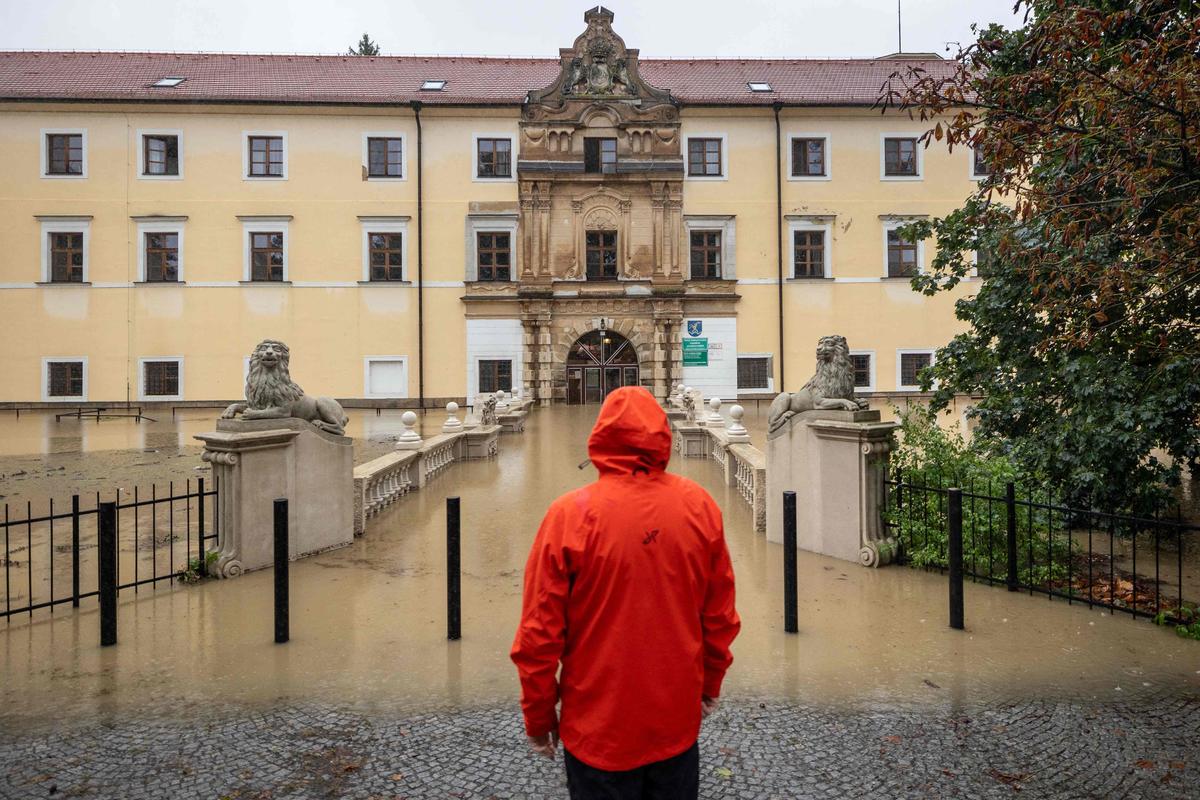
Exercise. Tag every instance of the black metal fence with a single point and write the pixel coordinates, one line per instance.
(54, 558)
(1026, 542)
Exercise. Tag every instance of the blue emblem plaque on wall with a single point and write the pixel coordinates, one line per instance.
(695, 327)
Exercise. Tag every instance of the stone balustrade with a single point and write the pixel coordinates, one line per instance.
(743, 465)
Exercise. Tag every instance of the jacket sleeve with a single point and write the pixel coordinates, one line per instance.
(542, 633)
(719, 618)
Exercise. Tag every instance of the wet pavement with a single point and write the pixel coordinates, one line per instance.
(876, 697)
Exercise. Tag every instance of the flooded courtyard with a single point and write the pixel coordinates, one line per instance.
(368, 621)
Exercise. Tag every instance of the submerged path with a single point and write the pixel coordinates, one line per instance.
(749, 749)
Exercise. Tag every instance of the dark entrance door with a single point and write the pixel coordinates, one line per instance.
(599, 362)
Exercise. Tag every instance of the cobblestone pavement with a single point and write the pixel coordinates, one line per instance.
(1147, 748)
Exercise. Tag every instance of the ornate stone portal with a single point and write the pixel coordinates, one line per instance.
(601, 243)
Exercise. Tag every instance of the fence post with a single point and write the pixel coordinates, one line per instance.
(899, 489)
(1010, 510)
(453, 570)
(956, 559)
(791, 621)
(75, 551)
(281, 571)
(108, 573)
(203, 567)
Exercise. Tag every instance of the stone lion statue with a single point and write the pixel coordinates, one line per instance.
(830, 389)
(272, 394)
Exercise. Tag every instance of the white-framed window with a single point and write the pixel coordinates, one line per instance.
(160, 250)
(706, 157)
(810, 242)
(65, 379)
(384, 249)
(755, 373)
(977, 166)
(265, 249)
(64, 153)
(160, 154)
(264, 155)
(65, 249)
(863, 364)
(493, 158)
(901, 157)
(160, 378)
(385, 376)
(902, 258)
(385, 156)
(808, 157)
(909, 364)
(725, 226)
(499, 225)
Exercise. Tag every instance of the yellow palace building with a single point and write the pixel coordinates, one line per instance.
(420, 229)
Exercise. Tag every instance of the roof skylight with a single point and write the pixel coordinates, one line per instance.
(433, 86)
(169, 82)
(759, 86)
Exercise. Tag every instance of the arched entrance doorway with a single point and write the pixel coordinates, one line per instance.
(599, 362)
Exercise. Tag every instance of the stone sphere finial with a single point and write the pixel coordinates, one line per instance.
(714, 420)
(737, 431)
(452, 423)
(409, 439)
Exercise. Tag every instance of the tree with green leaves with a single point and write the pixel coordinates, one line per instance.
(1084, 334)
(365, 47)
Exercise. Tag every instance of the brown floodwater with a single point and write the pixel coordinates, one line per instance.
(368, 621)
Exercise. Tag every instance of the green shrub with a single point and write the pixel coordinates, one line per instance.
(931, 456)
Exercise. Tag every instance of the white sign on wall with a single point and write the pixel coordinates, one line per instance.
(718, 378)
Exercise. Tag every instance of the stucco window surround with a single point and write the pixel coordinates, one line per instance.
(57, 224)
(724, 139)
(375, 382)
(276, 224)
(912, 387)
(793, 135)
(770, 388)
(77, 398)
(727, 225)
(44, 146)
(918, 152)
(808, 222)
(490, 223)
(142, 362)
(512, 155)
(890, 223)
(246, 176)
(146, 225)
(140, 167)
(871, 361)
(384, 225)
(366, 156)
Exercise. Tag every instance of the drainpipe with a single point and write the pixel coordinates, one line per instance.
(416, 107)
(777, 106)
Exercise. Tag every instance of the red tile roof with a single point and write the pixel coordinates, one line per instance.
(391, 80)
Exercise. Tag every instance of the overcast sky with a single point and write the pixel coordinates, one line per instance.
(660, 28)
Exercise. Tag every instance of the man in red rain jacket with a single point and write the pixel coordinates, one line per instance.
(630, 587)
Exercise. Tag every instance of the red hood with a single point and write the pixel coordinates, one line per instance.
(631, 433)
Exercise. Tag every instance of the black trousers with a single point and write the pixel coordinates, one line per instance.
(676, 778)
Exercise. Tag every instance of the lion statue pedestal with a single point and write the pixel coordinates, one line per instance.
(823, 445)
(284, 445)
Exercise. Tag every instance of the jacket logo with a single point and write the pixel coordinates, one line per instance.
(651, 537)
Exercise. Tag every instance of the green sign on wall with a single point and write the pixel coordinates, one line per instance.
(695, 352)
